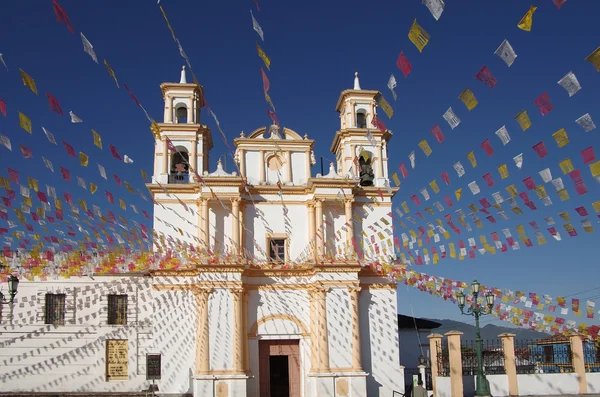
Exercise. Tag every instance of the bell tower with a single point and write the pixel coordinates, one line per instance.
(182, 143)
(359, 146)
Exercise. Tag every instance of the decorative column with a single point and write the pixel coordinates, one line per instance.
(288, 170)
(245, 331)
(200, 222)
(510, 364)
(308, 165)
(349, 224)
(190, 111)
(238, 329)
(355, 308)
(261, 166)
(242, 161)
(578, 361)
(455, 357)
(193, 157)
(169, 110)
(205, 224)
(322, 330)
(379, 162)
(314, 341)
(165, 156)
(319, 227)
(241, 227)
(235, 224)
(435, 350)
(202, 330)
(311, 228)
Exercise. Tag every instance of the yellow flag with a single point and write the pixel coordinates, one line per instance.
(520, 229)
(168, 24)
(93, 188)
(471, 157)
(596, 206)
(33, 183)
(565, 216)
(595, 168)
(563, 194)
(155, 129)
(503, 170)
(396, 179)
(418, 36)
(473, 207)
(425, 147)
(25, 122)
(458, 194)
(434, 186)
(83, 204)
(83, 159)
(527, 20)
(97, 139)
(567, 166)
(58, 203)
(478, 223)
(144, 175)
(541, 191)
(512, 190)
(517, 210)
(122, 204)
(28, 81)
(452, 250)
(594, 58)
(263, 56)
(561, 137)
(523, 119)
(111, 72)
(429, 210)
(387, 108)
(588, 228)
(468, 99)
(269, 101)
(405, 207)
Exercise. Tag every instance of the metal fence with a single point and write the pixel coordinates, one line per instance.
(443, 359)
(492, 357)
(543, 356)
(591, 356)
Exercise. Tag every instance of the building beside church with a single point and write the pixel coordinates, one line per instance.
(285, 310)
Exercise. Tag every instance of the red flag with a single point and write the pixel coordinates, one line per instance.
(581, 211)
(376, 122)
(588, 155)
(486, 77)
(437, 133)
(3, 107)
(403, 64)
(258, 8)
(529, 183)
(54, 104)
(132, 96)
(445, 177)
(415, 199)
(170, 145)
(61, 16)
(543, 103)
(68, 199)
(117, 180)
(265, 79)
(65, 174)
(524, 197)
(109, 197)
(540, 149)
(13, 175)
(403, 170)
(42, 196)
(488, 178)
(273, 117)
(559, 3)
(576, 176)
(448, 201)
(26, 152)
(487, 147)
(69, 148)
(114, 152)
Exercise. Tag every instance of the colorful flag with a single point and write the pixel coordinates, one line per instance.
(527, 21)
(69, 149)
(50, 136)
(451, 118)
(418, 36)
(387, 108)
(61, 16)
(486, 77)
(257, 27)
(4, 63)
(74, 118)
(561, 137)
(468, 98)
(391, 85)
(265, 79)
(502, 133)
(543, 103)
(594, 58)
(540, 149)
(588, 155)
(83, 159)
(25, 122)
(570, 83)
(111, 73)
(28, 82)
(436, 7)
(54, 104)
(263, 56)
(586, 122)
(403, 64)
(487, 147)
(506, 53)
(559, 3)
(472, 159)
(97, 139)
(523, 119)
(437, 132)
(114, 152)
(88, 48)
(3, 107)
(425, 147)
(26, 152)
(503, 170)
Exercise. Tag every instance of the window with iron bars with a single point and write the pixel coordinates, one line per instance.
(277, 250)
(117, 309)
(55, 309)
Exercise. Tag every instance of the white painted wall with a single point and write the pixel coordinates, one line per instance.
(547, 384)
(593, 382)
(299, 160)
(252, 169)
(339, 325)
(220, 320)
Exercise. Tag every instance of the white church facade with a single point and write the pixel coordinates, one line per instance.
(302, 318)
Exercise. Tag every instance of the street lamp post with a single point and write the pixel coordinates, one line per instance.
(477, 310)
(13, 285)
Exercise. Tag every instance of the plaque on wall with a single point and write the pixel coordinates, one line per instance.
(117, 359)
(153, 366)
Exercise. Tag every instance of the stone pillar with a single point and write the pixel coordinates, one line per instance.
(169, 110)
(193, 156)
(205, 224)
(311, 228)
(510, 364)
(245, 331)
(235, 224)
(242, 160)
(355, 310)
(288, 170)
(456, 381)
(261, 166)
(200, 221)
(190, 110)
(202, 330)
(319, 227)
(307, 165)
(323, 333)
(241, 227)
(349, 224)
(435, 350)
(578, 361)
(165, 156)
(238, 329)
(379, 162)
(314, 341)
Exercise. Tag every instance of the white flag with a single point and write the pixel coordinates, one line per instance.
(425, 194)
(451, 118)
(411, 157)
(460, 170)
(386, 183)
(24, 191)
(506, 52)
(4, 141)
(369, 137)
(51, 191)
(88, 48)
(102, 171)
(498, 197)
(474, 187)
(558, 184)
(49, 135)
(586, 122)
(570, 83)
(549, 220)
(257, 27)
(48, 164)
(74, 118)
(436, 7)
(546, 175)
(81, 182)
(518, 160)
(502, 133)
(4, 63)
(127, 159)
(391, 85)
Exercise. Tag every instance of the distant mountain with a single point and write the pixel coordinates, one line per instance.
(489, 332)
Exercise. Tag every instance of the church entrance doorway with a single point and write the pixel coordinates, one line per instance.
(279, 368)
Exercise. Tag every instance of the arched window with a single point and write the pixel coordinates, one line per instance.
(366, 170)
(179, 166)
(181, 113)
(361, 118)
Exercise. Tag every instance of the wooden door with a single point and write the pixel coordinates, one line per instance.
(289, 348)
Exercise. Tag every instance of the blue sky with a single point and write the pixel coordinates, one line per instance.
(315, 48)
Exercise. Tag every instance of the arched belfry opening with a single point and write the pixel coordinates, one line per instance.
(361, 118)
(180, 166)
(366, 169)
(181, 113)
